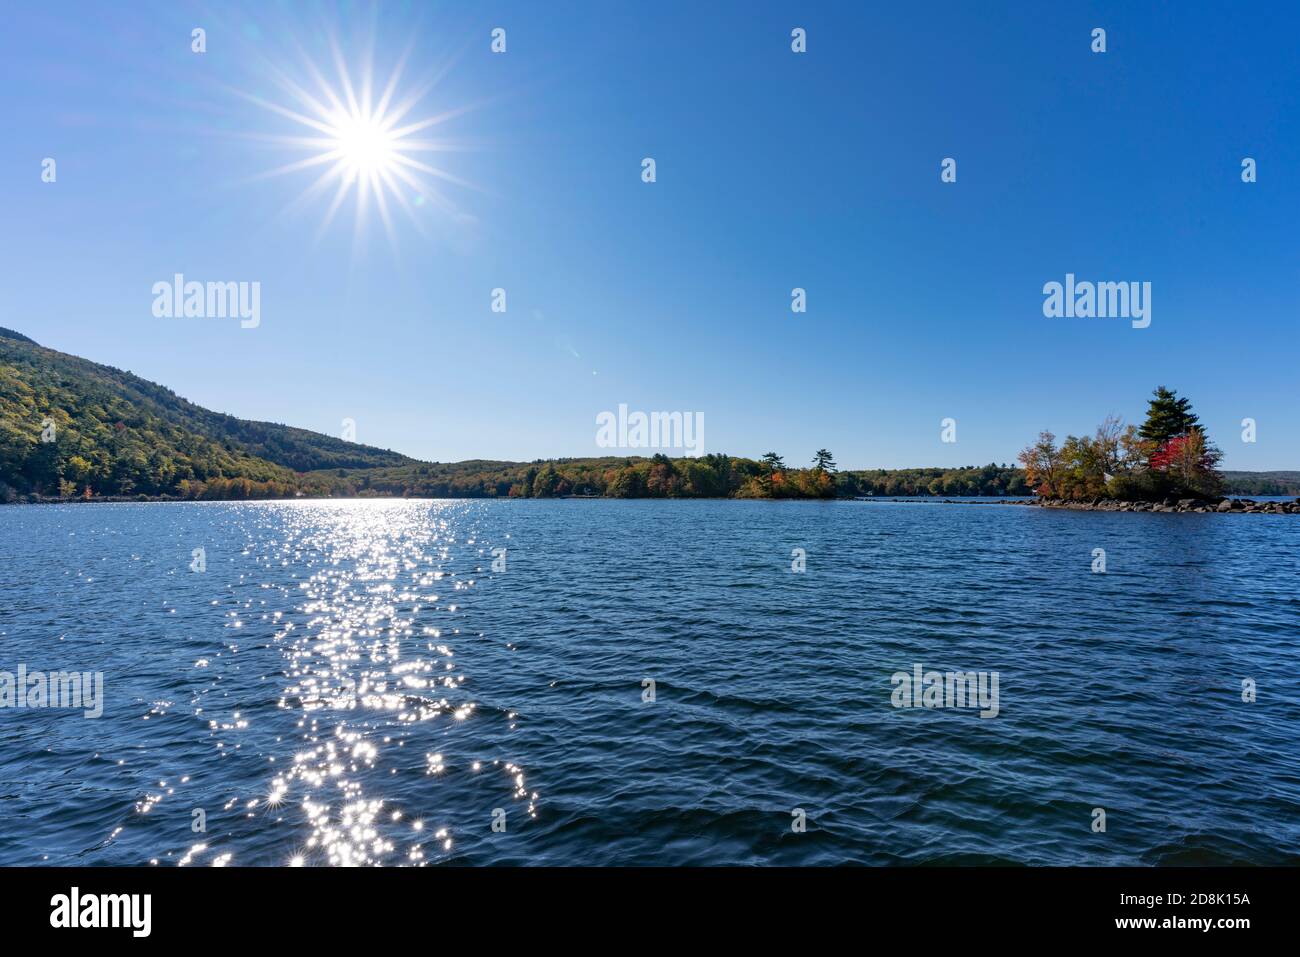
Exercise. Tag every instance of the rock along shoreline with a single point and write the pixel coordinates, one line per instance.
(1223, 506)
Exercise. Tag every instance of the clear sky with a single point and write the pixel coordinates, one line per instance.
(774, 170)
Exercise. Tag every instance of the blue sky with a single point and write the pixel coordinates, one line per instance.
(774, 170)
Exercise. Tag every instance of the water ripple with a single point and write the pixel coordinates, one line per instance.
(357, 683)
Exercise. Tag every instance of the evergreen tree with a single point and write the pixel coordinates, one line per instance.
(1168, 417)
(822, 461)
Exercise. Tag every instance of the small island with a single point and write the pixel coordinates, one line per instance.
(1168, 464)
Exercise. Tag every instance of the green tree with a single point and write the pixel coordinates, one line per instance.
(545, 482)
(822, 461)
(1168, 417)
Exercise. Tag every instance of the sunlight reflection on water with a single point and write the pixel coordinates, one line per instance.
(370, 662)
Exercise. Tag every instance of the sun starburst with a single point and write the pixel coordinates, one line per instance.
(367, 145)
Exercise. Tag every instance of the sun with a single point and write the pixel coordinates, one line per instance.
(362, 139)
(364, 145)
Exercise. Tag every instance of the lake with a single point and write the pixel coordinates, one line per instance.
(649, 682)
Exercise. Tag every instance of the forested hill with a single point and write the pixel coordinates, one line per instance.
(119, 434)
(70, 428)
(1262, 483)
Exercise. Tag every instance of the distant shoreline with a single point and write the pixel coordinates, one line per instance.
(1265, 505)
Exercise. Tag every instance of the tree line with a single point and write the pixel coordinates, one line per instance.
(716, 475)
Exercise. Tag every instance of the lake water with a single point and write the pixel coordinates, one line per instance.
(352, 682)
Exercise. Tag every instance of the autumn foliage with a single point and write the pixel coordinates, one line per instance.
(1169, 455)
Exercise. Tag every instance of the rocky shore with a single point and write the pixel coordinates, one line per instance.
(1223, 505)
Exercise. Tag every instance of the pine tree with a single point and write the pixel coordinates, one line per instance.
(1168, 417)
(823, 462)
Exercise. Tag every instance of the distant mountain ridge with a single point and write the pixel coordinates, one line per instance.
(1283, 482)
(70, 428)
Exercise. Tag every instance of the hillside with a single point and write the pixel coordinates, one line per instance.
(120, 435)
(1262, 483)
